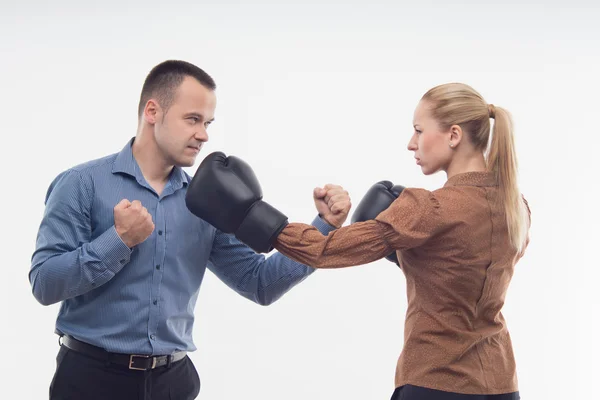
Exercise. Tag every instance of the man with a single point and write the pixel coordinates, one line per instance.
(121, 251)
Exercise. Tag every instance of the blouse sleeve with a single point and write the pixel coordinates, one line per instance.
(408, 222)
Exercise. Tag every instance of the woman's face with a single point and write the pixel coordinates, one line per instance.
(429, 142)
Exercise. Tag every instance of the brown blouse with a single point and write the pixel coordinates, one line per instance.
(454, 249)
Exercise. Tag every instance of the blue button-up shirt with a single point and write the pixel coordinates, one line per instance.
(140, 300)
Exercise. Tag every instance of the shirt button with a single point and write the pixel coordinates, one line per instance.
(152, 337)
(159, 233)
(154, 302)
(157, 266)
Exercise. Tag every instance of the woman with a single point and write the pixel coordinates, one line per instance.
(457, 246)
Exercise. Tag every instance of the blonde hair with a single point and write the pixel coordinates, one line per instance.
(460, 104)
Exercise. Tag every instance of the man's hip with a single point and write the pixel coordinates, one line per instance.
(85, 371)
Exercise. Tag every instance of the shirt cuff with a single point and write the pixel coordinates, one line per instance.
(111, 249)
(322, 225)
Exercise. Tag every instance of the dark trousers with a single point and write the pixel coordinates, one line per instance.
(79, 376)
(410, 392)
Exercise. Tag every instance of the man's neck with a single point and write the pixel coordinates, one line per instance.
(152, 163)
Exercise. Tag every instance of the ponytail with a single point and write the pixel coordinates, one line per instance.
(502, 161)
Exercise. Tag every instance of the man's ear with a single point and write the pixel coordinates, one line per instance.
(151, 111)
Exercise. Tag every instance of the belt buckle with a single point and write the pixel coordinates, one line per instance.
(131, 361)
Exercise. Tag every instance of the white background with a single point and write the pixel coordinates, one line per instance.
(310, 94)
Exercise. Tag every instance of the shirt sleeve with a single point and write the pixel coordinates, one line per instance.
(66, 261)
(258, 278)
(408, 222)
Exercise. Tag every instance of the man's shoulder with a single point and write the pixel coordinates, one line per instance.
(96, 164)
(82, 173)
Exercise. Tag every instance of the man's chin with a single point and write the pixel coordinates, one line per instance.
(185, 162)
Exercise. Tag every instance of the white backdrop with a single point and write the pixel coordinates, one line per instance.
(310, 94)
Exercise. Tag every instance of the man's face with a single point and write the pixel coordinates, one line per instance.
(182, 130)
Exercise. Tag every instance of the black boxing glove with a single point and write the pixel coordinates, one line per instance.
(378, 198)
(225, 193)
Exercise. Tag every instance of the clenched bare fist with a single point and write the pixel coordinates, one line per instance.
(133, 222)
(333, 204)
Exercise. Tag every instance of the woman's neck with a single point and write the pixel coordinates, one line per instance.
(460, 165)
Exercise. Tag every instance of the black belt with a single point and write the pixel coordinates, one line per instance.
(133, 361)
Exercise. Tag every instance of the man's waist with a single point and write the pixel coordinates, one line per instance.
(133, 339)
(132, 361)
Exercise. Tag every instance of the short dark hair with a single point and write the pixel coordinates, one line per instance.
(164, 79)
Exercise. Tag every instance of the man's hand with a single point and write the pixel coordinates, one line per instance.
(333, 204)
(133, 222)
(226, 193)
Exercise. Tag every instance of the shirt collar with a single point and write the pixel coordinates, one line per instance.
(126, 163)
(474, 178)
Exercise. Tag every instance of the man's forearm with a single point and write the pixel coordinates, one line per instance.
(56, 275)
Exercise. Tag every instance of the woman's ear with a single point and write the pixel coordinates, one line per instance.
(456, 135)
